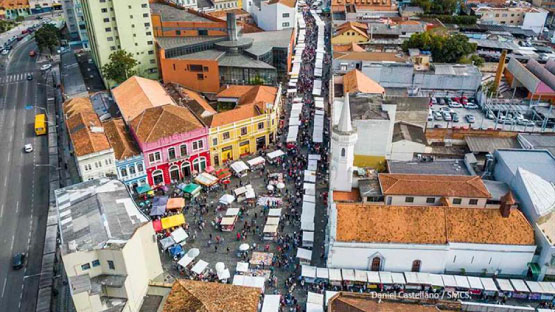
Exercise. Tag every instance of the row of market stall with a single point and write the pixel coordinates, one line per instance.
(417, 281)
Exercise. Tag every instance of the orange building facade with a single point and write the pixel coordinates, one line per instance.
(197, 74)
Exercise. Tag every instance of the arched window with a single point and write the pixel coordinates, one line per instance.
(199, 164)
(186, 169)
(174, 173)
(157, 177)
(171, 153)
(376, 263)
(342, 152)
(416, 265)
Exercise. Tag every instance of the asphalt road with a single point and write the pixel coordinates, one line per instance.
(23, 184)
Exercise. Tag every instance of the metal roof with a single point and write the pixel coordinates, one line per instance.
(479, 144)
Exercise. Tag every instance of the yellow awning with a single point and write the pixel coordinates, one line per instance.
(173, 221)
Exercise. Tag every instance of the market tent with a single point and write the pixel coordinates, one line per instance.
(475, 282)
(179, 235)
(239, 167)
(172, 221)
(199, 267)
(145, 188)
(275, 154)
(157, 225)
(272, 221)
(304, 254)
(192, 188)
(175, 203)
(256, 161)
(348, 274)
(535, 287)
(548, 287)
(271, 303)
(275, 212)
(360, 276)
(223, 274)
(312, 165)
(504, 284)
(176, 250)
(227, 199)
(436, 280)
(242, 267)
(329, 295)
(249, 281)
(309, 198)
(462, 281)
(308, 236)
(206, 179)
(167, 242)
(322, 273)
(385, 277)
(307, 226)
(308, 271)
(232, 212)
(373, 277)
(519, 285)
(488, 284)
(398, 278)
(223, 173)
(159, 206)
(314, 302)
(335, 275)
(449, 281)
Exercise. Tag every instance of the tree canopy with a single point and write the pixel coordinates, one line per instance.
(437, 6)
(120, 67)
(444, 48)
(47, 37)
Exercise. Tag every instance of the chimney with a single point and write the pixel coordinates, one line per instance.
(508, 202)
(231, 27)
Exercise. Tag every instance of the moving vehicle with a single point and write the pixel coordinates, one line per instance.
(29, 77)
(470, 118)
(28, 148)
(19, 260)
(32, 53)
(40, 124)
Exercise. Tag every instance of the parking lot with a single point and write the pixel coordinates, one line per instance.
(480, 121)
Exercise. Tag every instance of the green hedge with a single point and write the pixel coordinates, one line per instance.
(455, 19)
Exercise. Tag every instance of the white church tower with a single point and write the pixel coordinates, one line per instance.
(343, 139)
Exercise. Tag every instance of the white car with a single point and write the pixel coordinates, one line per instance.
(46, 67)
(5, 52)
(455, 105)
(471, 105)
(28, 148)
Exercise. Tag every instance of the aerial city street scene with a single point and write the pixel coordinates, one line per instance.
(277, 155)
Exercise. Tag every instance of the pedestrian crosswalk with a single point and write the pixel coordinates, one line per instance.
(10, 78)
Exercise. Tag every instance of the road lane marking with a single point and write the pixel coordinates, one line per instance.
(17, 207)
(2, 211)
(4, 287)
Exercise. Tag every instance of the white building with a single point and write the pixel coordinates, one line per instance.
(343, 139)
(531, 176)
(408, 139)
(91, 148)
(224, 4)
(273, 14)
(185, 3)
(433, 239)
(108, 246)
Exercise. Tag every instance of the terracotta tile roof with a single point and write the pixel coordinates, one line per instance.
(187, 296)
(80, 119)
(123, 144)
(352, 196)
(164, 121)
(289, 3)
(430, 225)
(433, 185)
(223, 13)
(14, 4)
(351, 26)
(251, 100)
(363, 302)
(348, 48)
(356, 81)
(137, 94)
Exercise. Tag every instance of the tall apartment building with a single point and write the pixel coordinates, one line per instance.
(75, 21)
(123, 24)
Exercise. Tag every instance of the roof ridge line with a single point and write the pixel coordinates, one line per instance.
(155, 124)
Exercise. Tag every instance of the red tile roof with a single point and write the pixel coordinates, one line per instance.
(123, 144)
(433, 185)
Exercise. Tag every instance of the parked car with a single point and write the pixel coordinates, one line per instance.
(471, 105)
(433, 100)
(19, 260)
(28, 148)
(549, 123)
(430, 116)
(455, 117)
(446, 109)
(447, 116)
(505, 120)
(455, 105)
(438, 115)
(490, 115)
(470, 118)
(525, 122)
(442, 101)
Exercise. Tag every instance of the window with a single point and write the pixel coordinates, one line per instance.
(151, 52)
(430, 200)
(342, 152)
(147, 24)
(145, 15)
(260, 125)
(95, 263)
(200, 76)
(112, 48)
(225, 135)
(171, 153)
(110, 38)
(285, 15)
(132, 170)
(285, 24)
(214, 141)
(149, 33)
(457, 201)
(244, 131)
(416, 266)
(144, 6)
(85, 266)
(183, 150)
(473, 202)
(198, 145)
(154, 157)
(111, 265)
(409, 199)
(149, 42)
(194, 68)
(123, 172)
(104, 10)
(140, 167)
(131, 16)
(106, 20)
(376, 264)
(108, 29)
(203, 32)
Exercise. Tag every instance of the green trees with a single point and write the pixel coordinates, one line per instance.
(120, 67)
(47, 37)
(6, 25)
(437, 6)
(444, 48)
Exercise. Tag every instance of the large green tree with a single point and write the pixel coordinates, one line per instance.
(448, 48)
(47, 37)
(120, 67)
(437, 6)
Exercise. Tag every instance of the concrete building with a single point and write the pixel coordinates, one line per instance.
(273, 14)
(437, 78)
(92, 150)
(129, 160)
(433, 239)
(408, 140)
(531, 176)
(347, 6)
(107, 246)
(75, 22)
(121, 25)
(526, 17)
(350, 32)
(225, 4)
(15, 8)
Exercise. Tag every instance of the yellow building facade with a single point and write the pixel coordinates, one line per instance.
(350, 32)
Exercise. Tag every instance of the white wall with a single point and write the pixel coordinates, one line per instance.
(404, 150)
(399, 200)
(270, 16)
(534, 21)
(101, 164)
(475, 258)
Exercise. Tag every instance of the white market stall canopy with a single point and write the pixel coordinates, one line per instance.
(385, 278)
(373, 277)
(488, 284)
(227, 199)
(239, 166)
(322, 273)
(232, 211)
(199, 267)
(274, 212)
(271, 303)
(519, 285)
(275, 154)
(335, 275)
(242, 267)
(398, 278)
(179, 235)
(308, 271)
(308, 236)
(256, 161)
(449, 281)
(307, 226)
(304, 254)
(475, 282)
(249, 281)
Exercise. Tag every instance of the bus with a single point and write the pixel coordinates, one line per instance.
(40, 124)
